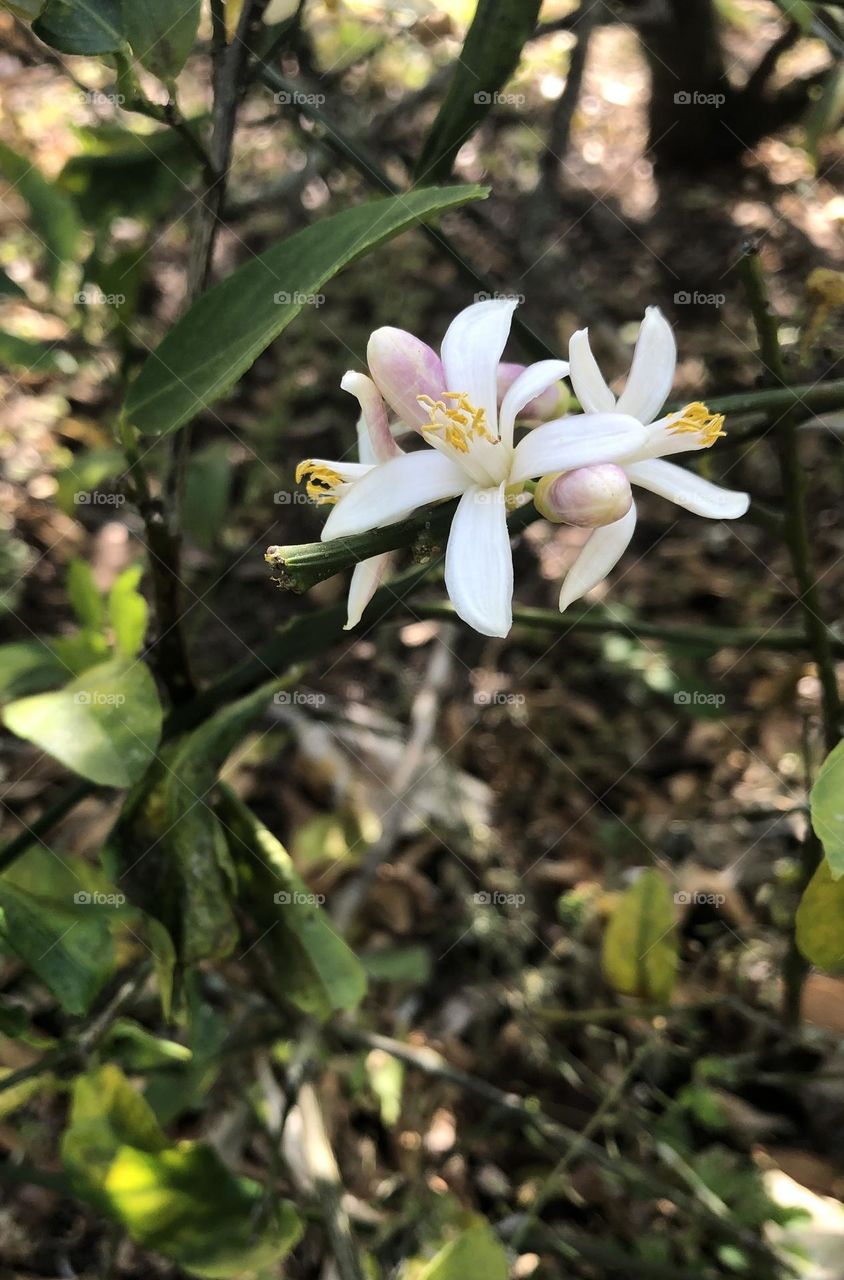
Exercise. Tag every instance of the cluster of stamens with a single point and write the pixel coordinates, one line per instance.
(458, 425)
(697, 418)
(322, 481)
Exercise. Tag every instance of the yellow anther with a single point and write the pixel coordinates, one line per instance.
(457, 425)
(322, 481)
(697, 418)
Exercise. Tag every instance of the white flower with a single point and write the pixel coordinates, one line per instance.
(694, 427)
(472, 455)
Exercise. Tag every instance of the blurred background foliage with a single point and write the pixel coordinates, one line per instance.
(546, 1039)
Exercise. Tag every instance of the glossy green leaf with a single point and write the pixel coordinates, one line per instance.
(473, 1255)
(84, 595)
(488, 58)
(127, 612)
(52, 214)
(179, 1200)
(82, 26)
(66, 944)
(826, 804)
(104, 725)
(29, 666)
(170, 843)
(161, 34)
(221, 335)
(640, 944)
(820, 921)
(317, 970)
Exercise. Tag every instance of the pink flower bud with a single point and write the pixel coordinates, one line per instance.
(403, 367)
(542, 408)
(588, 496)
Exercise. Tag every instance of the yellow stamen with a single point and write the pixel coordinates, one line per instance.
(321, 482)
(458, 425)
(697, 418)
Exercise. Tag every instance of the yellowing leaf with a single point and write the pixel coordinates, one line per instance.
(640, 945)
(820, 921)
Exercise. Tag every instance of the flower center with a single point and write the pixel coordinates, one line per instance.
(697, 418)
(457, 426)
(321, 483)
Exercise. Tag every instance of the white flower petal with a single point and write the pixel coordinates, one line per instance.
(652, 371)
(576, 441)
(392, 491)
(527, 386)
(586, 378)
(345, 470)
(471, 351)
(688, 490)
(479, 563)
(376, 443)
(366, 578)
(661, 441)
(598, 556)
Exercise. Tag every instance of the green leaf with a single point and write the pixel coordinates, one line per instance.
(640, 944)
(179, 1200)
(34, 357)
(317, 971)
(81, 480)
(826, 804)
(474, 1255)
(29, 666)
(120, 173)
(84, 595)
(26, 10)
(820, 921)
(79, 652)
(207, 487)
(161, 34)
(489, 57)
(104, 725)
(186, 878)
(139, 1050)
(67, 945)
(13, 1020)
(82, 26)
(221, 335)
(53, 216)
(127, 612)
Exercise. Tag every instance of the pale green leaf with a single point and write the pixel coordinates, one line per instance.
(161, 34)
(640, 944)
(127, 612)
(820, 921)
(104, 725)
(473, 1255)
(826, 804)
(84, 595)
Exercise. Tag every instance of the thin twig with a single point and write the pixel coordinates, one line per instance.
(798, 541)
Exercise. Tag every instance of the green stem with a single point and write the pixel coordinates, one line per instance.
(798, 541)
(600, 623)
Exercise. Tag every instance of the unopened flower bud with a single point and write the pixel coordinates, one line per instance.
(404, 368)
(588, 497)
(543, 407)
